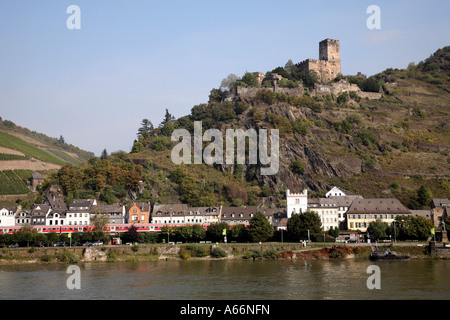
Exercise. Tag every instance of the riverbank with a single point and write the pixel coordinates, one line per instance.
(270, 251)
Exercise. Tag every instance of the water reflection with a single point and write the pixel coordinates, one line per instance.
(230, 279)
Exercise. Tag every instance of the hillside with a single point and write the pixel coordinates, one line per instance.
(390, 147)
(23, 152)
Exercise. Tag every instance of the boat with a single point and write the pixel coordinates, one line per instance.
(386, 255)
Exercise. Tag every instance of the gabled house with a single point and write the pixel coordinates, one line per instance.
(336, 192)
(169, 213)
(23, 217)
(139, 213)
(79, 211)
(116, 213)
(39, 213)
(7, 216)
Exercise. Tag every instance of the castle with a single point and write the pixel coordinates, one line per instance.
(328, 67)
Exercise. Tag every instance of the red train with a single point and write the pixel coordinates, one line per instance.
(117, 228)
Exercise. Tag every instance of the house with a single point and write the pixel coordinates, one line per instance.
(238, 215)
(36, 180)
(243, 215)
(169, 213)
(116, 213)
(79, 211)
(296, 202)
(364, 211)
(336, 192)
(23, 217)
(139, 213)
(327, 210)
(39, 213)
(55, 218)
(7, 216)
(56, 203)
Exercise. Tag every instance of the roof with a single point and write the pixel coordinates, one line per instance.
(247, 212)
(167, 209)
(322, 203)
(421, 213)
(378, 205)
(107, 208)
(143, 206)
(440, 203)
(37, 175)
(345, 201)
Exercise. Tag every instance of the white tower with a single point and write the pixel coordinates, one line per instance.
(296, 202)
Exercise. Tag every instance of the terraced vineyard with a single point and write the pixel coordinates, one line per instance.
(12, 142)
(12, 183)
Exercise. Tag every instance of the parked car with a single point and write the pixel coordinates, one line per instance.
(15, 245)
(59, 244)
(351, 241)
(96, 243)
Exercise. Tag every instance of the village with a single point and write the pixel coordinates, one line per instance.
(341, 210)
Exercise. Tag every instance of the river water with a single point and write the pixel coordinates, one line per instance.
(230, 280)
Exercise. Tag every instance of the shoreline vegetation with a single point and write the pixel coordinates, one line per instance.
(187, 252)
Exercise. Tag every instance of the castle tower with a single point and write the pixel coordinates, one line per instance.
(330, 55)
(328, 67)
(329, 50)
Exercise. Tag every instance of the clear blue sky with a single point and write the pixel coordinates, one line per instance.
(133, 59)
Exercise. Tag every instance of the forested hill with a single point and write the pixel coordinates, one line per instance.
(390, 147)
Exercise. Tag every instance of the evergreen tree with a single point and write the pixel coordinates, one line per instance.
(260, 229)
(146, 128)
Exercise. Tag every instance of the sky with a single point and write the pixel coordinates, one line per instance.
(130, 60)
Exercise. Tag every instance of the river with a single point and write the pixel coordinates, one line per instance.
(230, 279)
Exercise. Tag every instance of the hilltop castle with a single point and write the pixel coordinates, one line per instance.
(328, 67)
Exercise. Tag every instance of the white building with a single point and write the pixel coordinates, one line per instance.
(79, 212)
(296, 203)
(54, 218)
(327, 210)
(7, 217)
(336, 192)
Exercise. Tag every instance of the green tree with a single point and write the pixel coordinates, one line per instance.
(146, 129)
(215, 231)
(260, 229)
(250, 80)
(198, 232)
(299, 225)
(297, 167)
(424, 196)
(377, 230)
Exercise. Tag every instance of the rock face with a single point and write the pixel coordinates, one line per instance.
(94, 254)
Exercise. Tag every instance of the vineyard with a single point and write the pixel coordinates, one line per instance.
(13, 183)
(12, 142)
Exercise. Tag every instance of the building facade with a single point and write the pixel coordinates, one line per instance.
(296, 203)
(139, 213)
(364, 211)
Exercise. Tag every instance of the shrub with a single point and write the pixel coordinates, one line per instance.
(218, 253)
(68, 257)
(197, 250)
(270, 254)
